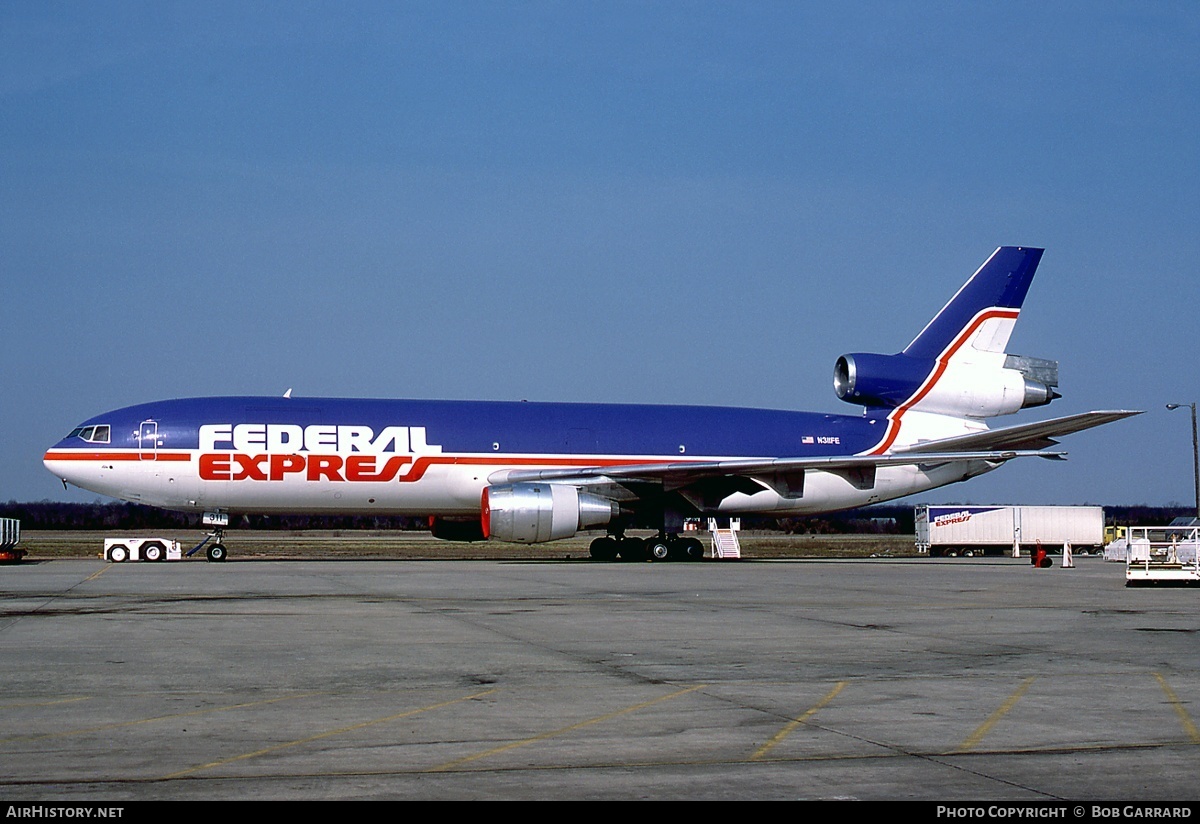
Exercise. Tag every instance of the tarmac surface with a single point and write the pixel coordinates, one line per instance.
(939, 680)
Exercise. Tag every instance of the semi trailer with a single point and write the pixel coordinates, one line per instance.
(952, 531)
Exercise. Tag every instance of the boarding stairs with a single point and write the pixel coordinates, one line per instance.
(725, 543)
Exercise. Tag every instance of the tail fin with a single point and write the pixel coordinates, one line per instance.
(957, 365)
(985, 309)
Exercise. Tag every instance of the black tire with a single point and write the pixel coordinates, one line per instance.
(118, 553)
(693, 549)
(658, 550)
(153, 551)
(603, 549)
(217, 553)
(631, 549)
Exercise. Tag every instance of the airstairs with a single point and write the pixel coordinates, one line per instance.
(725, 541)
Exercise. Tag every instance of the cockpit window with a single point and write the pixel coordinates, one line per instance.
(93, 434)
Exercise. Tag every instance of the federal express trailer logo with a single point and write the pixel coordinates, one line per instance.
(275, 451)
(959, 516)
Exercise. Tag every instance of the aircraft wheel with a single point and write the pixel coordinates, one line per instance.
(968, 553)
(153, 551)
(118, 553)
(631, 549)
(693, 549)
(216, 552)
(658, 550)
(603, 549)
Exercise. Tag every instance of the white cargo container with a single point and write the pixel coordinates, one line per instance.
(978, 530)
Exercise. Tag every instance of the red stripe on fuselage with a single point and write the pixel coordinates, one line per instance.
(419, 467)
(84, 455)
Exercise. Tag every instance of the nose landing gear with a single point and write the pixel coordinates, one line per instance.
(216, 551)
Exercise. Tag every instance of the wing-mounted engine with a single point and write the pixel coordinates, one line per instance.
(989, 385)
(531, 513)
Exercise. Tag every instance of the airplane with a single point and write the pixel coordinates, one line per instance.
(533, 472)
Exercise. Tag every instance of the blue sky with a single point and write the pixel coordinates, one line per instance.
(683, 202)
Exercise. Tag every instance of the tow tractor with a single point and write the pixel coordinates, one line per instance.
(119, 550)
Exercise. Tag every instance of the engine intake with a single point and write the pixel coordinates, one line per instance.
(532, 513)
(879, 380)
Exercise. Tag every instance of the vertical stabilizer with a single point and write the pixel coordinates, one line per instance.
(984, 309)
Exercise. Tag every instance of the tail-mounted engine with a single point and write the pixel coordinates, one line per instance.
(964, 389)
(530, 513)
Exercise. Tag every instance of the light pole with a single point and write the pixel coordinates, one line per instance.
(1195, 452)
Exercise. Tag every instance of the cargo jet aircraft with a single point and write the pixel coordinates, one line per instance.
(532, 472)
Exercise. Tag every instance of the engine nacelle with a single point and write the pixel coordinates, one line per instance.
(964, 389)
(879, 380)
(531, 513)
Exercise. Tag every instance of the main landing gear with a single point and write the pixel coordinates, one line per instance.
(657, 548)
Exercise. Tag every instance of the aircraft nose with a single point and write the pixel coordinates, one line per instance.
(58, 463)
(54, 463)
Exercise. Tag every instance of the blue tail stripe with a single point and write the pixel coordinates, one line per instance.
(1001, 282)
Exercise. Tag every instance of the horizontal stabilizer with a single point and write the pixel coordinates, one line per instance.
(1038, 435)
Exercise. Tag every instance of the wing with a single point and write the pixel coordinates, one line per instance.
(707, 482)
(1027, 436)
(707, 479)
(682, 473)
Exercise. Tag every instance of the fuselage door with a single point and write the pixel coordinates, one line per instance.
(148, 438)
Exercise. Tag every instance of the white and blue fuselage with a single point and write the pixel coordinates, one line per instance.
(415, 457)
